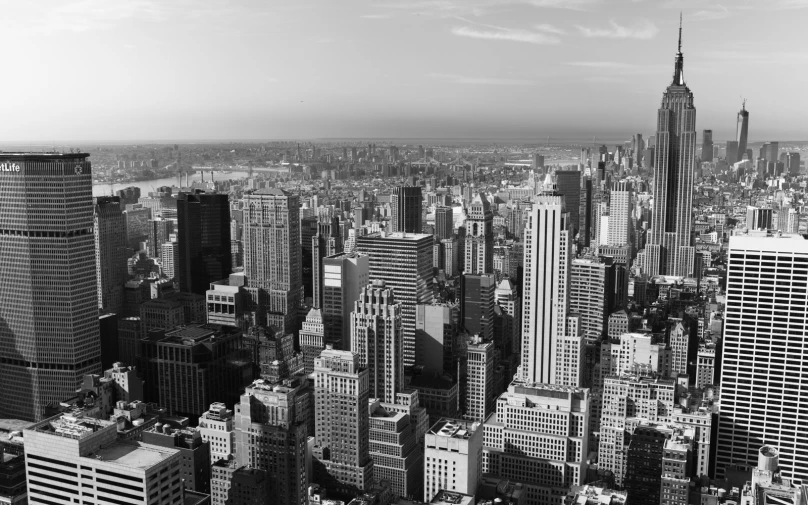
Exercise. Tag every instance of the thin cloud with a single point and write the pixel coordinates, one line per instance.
(549, 29)
(513, 35)
(376, 16)
(711, 15)
(602, 64)
(605, 79)
(479, 7)
(463, 79)
(642, 30)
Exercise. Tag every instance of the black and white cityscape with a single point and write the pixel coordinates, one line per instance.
(533, 313)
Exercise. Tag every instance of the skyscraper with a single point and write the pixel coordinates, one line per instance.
(591, 294)
(272, 261)
(203, 237)
(733, 155)
(376, 337)
(477, 304)
(344, 277)
(763, 389)
(569, 185)
(479, 237)
(49, 335)
(341, 387)
(404, 262)
(444, 222)
(327, 242)
(669, 250)
(271, 436)
(405, 203)
(480, 379)
(619, 214)
(547, 332)
(707, 145)
(742, 130)
(110, 252)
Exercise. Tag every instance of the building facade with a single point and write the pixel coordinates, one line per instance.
(49, 333)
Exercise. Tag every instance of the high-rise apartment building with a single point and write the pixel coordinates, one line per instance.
(552, 347)
(479, 258)
(669, 249)
(341, 393)
(444, 222)
(406, 206)
(49, 336)
(344, 277)
(404, 262)
(377, 338)
(170, 259)
(110, 252)
(453, 457)
(203, 238)
(763, 394)
(272, 259)
(69, 458)
(271, 436)
(538, 436)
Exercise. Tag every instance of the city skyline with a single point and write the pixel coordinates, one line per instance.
(482, 69)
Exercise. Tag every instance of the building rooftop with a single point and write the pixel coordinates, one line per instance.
(454, 428)
(396, 235)
(452, 498)
(272, 191)
(71, 425)
(133, 454)
(28, 156)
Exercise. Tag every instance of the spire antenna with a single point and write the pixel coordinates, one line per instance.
(680, 31)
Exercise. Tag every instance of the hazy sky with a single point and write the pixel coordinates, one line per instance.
(272, 69)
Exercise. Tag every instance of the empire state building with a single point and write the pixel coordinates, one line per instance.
(670, 250)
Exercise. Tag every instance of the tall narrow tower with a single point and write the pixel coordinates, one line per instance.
(742, 130)
(480, 237)
(551, 341)
(669, 250)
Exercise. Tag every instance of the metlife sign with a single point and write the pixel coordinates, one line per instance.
(9, 167)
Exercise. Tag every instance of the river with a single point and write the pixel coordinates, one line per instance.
(146, 186)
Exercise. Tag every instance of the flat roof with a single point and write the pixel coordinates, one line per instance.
(26, 156)
(775, 244)
(454, 428)
(14, 425)
(133, 454)
(395, 235)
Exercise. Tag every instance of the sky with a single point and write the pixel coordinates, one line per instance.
(156, 70)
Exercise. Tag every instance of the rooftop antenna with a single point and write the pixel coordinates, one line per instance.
(680, 31)
(743, 107)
